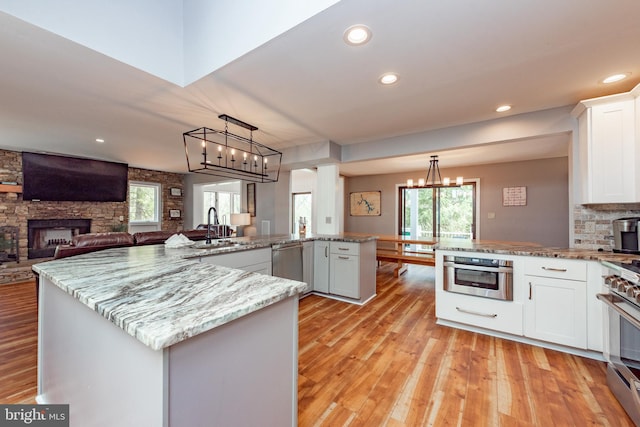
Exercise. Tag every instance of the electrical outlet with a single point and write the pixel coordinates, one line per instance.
(121, 218)
(327, 220)
(491, 215)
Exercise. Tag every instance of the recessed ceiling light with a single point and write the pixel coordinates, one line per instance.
(388, 78)
(503, 108)
(100, 140)
(357, 35)
(615, 78)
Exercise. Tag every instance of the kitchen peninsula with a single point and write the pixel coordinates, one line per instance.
(144, 336)
(150, 335)
(551, 301)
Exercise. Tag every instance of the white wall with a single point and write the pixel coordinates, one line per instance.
(329, 203)
(218, 32)
(138, 33)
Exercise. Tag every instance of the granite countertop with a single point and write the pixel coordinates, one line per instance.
(158, 296)
(531, 249)
(162, 296)
(235, 244)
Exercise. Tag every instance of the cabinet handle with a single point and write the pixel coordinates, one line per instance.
(560, 270)
(476, 313)
(343, 249)
(326, 251)
(530, 290)
(343, 257)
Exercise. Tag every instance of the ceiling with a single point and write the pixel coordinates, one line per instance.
(457, 61)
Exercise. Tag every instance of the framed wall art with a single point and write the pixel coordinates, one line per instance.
(364, 203)
(514, 196)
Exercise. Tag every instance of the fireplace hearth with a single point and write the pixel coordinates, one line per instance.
(46, 234)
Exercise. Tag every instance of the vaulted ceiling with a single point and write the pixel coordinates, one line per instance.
(457, 61)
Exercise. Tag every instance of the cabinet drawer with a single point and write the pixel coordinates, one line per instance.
(557, 268)
(502, 316)
(344, 248)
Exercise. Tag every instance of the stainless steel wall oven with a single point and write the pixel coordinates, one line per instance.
(623, 335)
(483, 277)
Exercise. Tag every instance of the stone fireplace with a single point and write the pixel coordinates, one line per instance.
(45, 234)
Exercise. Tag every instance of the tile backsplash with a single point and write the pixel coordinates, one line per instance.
(593, 227)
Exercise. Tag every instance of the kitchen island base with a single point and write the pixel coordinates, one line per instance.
(241, 373)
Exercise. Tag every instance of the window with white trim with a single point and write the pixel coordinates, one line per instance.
(144, 203)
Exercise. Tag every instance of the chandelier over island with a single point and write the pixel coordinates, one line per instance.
(229, 155)
(436, 179)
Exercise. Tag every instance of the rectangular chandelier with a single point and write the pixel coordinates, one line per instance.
(229, 155)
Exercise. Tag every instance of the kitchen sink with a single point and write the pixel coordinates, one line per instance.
(221, 243)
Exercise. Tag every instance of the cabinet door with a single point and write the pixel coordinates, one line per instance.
(556, 311)
(321, 267)
(612, 153)
(307, 263)
(344, 275)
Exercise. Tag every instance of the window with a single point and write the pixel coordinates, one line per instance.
(301, 208)
(144, 202)
(225, 203)
(438, 212)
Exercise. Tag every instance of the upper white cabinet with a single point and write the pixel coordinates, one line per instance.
(609, 138)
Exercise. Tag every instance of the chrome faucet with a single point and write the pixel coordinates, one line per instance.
(215, 222)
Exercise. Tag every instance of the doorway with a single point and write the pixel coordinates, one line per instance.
(446, 212)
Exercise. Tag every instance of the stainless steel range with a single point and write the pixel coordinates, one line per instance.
(622, 334)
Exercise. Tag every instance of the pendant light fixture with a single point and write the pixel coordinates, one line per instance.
(229, 155)
(433, 174)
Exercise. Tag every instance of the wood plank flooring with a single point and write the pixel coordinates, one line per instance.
(18, 343)
(387, 364)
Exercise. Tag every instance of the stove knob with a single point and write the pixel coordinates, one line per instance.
(632, 291)
(609, 280)
(636, 295)
(622, 285)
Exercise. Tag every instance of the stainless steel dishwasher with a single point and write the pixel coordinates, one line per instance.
(287, 260)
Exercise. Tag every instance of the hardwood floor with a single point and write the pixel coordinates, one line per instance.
(387, 364)
(18, 343)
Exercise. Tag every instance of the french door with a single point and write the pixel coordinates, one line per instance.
(447, 212)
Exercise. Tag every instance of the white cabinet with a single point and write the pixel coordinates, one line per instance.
(609, 150)
(345, 269)
(501, 316)
(475, 311)
(556, 304)
(321, 266)
(344, 279)
(307, 264)
(255, 260)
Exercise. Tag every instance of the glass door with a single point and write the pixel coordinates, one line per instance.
(447, 212)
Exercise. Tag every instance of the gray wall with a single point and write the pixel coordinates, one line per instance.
(544, 220)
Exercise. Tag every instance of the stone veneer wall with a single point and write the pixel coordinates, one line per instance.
(105, 216)
(593, 224)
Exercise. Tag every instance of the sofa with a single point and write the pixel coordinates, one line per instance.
(91, 242)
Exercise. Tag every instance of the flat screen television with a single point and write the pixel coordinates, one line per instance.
(50, 177)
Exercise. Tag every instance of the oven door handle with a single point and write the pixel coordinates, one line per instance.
(608, 299)
(478, 267)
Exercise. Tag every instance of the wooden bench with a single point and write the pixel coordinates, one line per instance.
(402, 255)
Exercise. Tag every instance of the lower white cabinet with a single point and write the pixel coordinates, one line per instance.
(554, 302)
(344, 277)
(345, 269)
(501, 316)
(556, 311)
(321, 266)
(255, 260)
